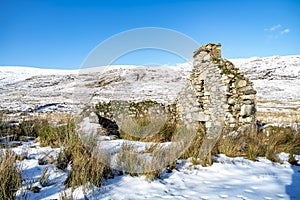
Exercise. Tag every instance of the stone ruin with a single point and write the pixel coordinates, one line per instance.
(215, 95)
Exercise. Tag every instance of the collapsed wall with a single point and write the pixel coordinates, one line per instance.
(215, 94)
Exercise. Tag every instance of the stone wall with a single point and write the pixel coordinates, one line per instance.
(215, 94)
(223, 94)
(117, 110)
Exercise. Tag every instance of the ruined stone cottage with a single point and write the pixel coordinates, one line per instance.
(215, 94)
(218, 92)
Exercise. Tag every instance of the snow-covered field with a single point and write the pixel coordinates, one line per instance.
(227, 178)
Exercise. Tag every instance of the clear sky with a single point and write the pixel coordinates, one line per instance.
(61, 33)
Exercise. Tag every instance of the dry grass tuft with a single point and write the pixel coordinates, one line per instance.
(147, 128)
(249, 143)
(10, 175)
(149, 163)
(87, 170)
(128, 160)
(87, 167)
(54, 136)
(193, 148)
(268, 143)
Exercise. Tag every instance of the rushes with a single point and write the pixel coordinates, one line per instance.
(10, 175)
(128, 160)
(54, 136)
(268, 142)
(149, 163)
(154, 128)
(87, 170)
(87, 167)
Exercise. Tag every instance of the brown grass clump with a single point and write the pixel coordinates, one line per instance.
(10, 175)
(87, 167)
(283, 139)
(147, 128)
(249, 143)
(135, 163)
(47, 133)
(268, 143)
(193, 149)
(232, 145)
(54, 136)
(128, 160)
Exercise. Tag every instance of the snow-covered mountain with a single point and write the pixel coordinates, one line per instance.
(276, 79)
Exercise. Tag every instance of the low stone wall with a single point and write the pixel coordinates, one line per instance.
(115, 110)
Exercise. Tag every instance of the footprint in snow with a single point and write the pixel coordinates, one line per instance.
(248, 191)
(254, 187)
(280, 195)
(267, 198)
(242, 197)
(204, 197)
(223, 196)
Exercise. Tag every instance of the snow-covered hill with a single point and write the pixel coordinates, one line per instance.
(276, 79)
(270, 68)
(277, 82)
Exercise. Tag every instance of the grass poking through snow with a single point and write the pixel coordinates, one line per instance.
(10, 175)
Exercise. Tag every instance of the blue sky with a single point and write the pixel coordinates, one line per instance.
(61, 33)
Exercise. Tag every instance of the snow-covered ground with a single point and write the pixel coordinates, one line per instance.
(227, 178)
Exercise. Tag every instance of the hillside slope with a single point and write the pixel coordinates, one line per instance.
(276, 79)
